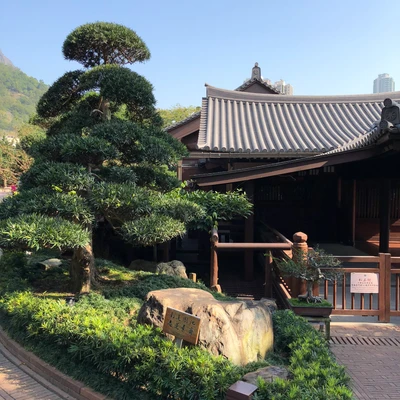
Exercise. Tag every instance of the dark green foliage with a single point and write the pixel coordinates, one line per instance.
(68, 177)
(217, 206)
(105, 332)
(119, 174)
(61, 96)
(157, 177)
(146, 216)
(315, 374)
(50, 202)
(87, 150)
(19, 94)
(121, 86)
(104, 43)
(138, 144)
(99, 342)
(155, 228)
(35, 231)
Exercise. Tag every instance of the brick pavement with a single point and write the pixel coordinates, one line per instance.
(371, 354)
(18, 382)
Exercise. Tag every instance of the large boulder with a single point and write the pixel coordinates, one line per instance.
(173, 268)
(238, 330)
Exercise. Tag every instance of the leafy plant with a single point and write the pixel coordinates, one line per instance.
(313, 266)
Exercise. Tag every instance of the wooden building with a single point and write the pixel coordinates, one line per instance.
(325, 165)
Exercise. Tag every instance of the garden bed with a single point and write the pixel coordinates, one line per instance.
(98, 341)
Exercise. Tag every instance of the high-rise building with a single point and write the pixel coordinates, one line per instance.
(383, 83)
(283, 87)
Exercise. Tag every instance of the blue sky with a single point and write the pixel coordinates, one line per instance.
(319, 47)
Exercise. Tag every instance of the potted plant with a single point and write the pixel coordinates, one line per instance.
(313, 267)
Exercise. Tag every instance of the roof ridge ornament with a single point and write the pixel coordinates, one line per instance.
(256, 72)
(390, 117)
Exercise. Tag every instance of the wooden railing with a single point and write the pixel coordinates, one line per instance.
(384, 304)
(268, 247)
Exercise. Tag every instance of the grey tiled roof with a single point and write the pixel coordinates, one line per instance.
(184, 121)
(250, 82)
(233, 121)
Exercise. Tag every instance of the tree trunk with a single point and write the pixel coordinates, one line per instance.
(82, 270)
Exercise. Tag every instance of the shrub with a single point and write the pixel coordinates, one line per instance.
(99, 337)
(116, 346)
(315, 374)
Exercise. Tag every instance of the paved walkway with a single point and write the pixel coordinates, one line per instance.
(21, 383)
(371, 354)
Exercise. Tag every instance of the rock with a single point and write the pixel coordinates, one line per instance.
(173, 268)
(238, 330)
(267, 374)
(50, 263)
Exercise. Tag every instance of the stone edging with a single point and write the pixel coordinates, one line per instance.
(53, 378)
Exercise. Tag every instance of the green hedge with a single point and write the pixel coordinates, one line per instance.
(99, 336)
(315, 375)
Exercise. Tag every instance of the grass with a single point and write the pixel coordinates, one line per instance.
(302, 303)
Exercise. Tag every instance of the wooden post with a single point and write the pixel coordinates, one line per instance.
(249, 236)
(384, 287)
(268, 275)
(384, 216)
(353, 213)
(300, 249)
(193, 276)
(214, 262)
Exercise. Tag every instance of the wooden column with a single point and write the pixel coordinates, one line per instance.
(268, 275)
(214, 262)
(249, 236)
(300, 249)
(353, 213)
(384, 215)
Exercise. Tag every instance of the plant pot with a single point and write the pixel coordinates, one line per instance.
(310, 311)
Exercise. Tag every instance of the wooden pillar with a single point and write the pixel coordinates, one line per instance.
(179, 172)
(384, 216)
(353, 213)
(249, 236)
(214, 262)
(300, 249)
(229, 186)
(268, 275)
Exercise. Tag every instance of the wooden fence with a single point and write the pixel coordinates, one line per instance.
(384, 304)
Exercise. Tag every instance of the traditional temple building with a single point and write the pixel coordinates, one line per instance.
(325, 165)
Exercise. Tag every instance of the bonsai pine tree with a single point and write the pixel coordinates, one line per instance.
(105, 157)
(313, 267)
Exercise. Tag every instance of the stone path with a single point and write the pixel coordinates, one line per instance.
(21, 383)
(371, 354)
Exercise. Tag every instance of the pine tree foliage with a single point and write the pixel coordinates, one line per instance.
(105, 156)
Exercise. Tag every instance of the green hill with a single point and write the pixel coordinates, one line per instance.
(19, 94)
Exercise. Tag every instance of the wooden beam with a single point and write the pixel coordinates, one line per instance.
(285, 167)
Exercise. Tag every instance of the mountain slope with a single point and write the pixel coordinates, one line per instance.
(5, 60)
(19, 95)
